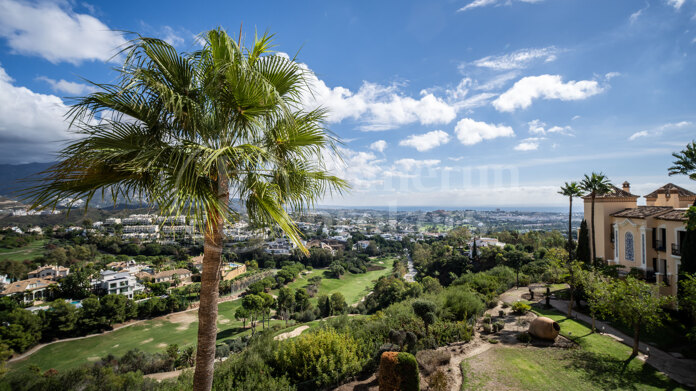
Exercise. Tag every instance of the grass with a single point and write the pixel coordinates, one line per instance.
(353, 286)
(599, 363)
(153, 335)
(33, 250)
(150, 336)
(670, 336)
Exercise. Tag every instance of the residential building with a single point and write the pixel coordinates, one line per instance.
(361, 245)
(184, 275)
(484, 242)
(138, 219)
(647, 237)
(31, 289)
(117, 283)
(50, 272)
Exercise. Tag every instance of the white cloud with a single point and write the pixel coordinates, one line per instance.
(525, 90)
(484, 3)
(660, 129)
(362, 170)
(677, 4)
(470, 132)
(57, 34)
(575, 117)
(634, 16)
(538, 127)
(68, 87)
(379, 146)
(31, 124)
(171, 37)
(377, 106)
(497, 82)
(517, 60)
(426, 141)
(528, 144)
(409, 164)
(642, 133)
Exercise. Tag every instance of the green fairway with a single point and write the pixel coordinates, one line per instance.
(181, 328)
(599, 363)
(150, 336)
(33, 250)
(353, 286)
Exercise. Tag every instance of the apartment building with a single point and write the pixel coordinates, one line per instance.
(645, 237)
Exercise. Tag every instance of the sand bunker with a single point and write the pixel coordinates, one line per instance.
(291, 334)
(147, 341)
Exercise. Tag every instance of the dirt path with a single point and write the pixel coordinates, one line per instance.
(164, 375)
(291, 334)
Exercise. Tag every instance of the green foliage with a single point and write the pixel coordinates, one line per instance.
(426, 311)
(407, 367)
(322, 357)
(524, 337)
(461, 303)
(520, 308)
(583, 253)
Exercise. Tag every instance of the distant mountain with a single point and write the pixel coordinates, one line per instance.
(11, 176)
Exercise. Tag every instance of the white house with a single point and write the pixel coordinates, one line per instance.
(117, 283)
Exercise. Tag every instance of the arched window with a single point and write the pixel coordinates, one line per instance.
(629, 246)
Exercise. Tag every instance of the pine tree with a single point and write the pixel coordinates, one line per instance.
(583, 251)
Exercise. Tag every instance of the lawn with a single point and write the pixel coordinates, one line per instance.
(599, 363)
(33, 250)
(353, 286)
(151, 336)
(181, 328)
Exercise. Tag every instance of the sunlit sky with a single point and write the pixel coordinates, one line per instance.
(454, 103)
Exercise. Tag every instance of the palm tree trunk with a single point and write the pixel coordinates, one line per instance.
(210, 283)
(594, 249)
(570, 230)
(207, 310)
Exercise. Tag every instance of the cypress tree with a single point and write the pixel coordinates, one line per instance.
(583, 251)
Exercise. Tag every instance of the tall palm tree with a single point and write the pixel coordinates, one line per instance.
(686, 162)
(189, 131)
(594, 185)
(570, 190)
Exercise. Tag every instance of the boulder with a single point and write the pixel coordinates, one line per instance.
(544, 328)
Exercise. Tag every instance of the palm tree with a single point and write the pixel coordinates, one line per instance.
(570, 190)
(686, 162)
(596, 184)
(189, 131)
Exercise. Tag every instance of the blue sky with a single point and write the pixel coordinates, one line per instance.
(454, 103)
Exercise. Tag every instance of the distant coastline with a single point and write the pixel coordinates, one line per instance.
(400, 208)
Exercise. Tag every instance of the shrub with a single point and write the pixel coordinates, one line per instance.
(493, 341)
(439, 382)
(222, 350)
(462, 303)
(499, 325)
(324, 357)
(501, 313)
(524, 337)
(520, 308)
(487, 328)
(492, 303)
(429, 360)
(398, 372)
(506, 305)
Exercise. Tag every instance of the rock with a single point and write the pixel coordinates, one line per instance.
(544, 328)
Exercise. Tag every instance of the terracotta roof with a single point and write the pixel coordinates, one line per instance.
(674, 214)
(615, 193)
(23, 285)
(673, 189)
(642, 212)
(169, 273)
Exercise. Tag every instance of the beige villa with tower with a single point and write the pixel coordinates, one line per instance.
(646, 237)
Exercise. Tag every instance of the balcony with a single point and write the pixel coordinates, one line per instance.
(676, 249)
(660, 245)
